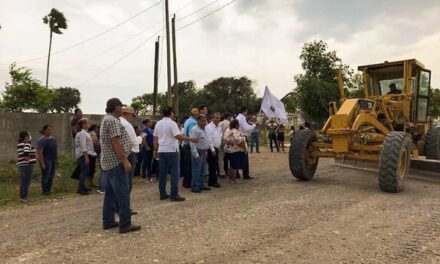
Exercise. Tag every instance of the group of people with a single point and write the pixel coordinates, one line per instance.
(27, 158)
(215, 145)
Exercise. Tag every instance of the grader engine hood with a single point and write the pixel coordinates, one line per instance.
(339, 125)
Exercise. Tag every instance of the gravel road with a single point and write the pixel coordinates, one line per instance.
(339, 217)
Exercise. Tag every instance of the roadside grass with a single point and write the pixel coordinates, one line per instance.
(62, 183)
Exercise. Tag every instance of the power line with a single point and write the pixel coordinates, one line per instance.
(113, 47)
(203, 17)
(183, 7)
(119, 60)
(198, 10)
(152, 36)
(93, 37)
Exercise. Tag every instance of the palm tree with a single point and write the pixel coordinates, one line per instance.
(56, 21)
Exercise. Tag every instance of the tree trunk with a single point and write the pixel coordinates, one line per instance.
(48, 59)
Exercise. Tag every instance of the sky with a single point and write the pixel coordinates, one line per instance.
(261, 39)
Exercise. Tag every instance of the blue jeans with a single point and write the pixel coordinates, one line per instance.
(26, 180)
(84, 172)
(198, 171)
(147, 158)
(255, 141)
(169, 161)
(47, 175)
(132, 158)
(117, 194)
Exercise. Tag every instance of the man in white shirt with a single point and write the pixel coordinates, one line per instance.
(245, 129)
(222, 162)
(128, 114)
(214, 134)
(166, 144)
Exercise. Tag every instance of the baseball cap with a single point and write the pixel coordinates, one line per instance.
(128, 110)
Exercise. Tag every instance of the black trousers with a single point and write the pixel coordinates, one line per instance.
(213, 167)
(246, 162)
(187, 169)
(273, 140)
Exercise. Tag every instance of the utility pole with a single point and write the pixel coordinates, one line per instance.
(156, 75)
(167, 17)
(176, 88)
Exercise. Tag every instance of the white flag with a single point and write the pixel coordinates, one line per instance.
(273, 107)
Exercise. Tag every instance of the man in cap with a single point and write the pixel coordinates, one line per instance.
(115, 149)
(128, 115)
(186, 153)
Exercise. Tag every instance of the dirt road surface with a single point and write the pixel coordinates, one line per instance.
(339, 217)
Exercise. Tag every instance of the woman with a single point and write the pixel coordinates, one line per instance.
(235, 147)
(280, 137)
(47, 157)
(84, 153)
(26, 161)
(94, 135)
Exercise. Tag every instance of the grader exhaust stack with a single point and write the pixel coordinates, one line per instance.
(388, 126)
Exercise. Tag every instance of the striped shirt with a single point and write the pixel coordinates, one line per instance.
(26, 154)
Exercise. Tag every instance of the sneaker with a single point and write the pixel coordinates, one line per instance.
(178, 199)
(83, 192)
(112, 225)
(196, 191)
(130, 228)
(100, 192)
(23, 200)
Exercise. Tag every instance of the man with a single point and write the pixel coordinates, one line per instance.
(255, 138)
(128, 114)
(74, 123)
(272, 126)
(203, 110)
(137, 169)
(115, 149)
(166, 145)
(222, 162)
(245, 129)
(74, 128)
(147, 150)
(186, 154)
(393, 89)
(198, 154)
(214, 134)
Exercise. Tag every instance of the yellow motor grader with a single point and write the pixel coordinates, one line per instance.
(389, 125)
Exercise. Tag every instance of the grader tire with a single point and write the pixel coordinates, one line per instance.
(394, 162)
(300, 167)
(432, 143)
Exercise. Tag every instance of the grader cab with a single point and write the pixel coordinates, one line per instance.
(389, 125)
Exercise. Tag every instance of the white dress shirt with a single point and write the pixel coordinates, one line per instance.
(214, 134)
(245, 128)
(166, 131)
(135, 140)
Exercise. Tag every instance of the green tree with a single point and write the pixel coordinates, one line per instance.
(228, 94)
(318, 85)
(144, 104)
(434, 103)
(25, 93)
(56, 21)
(65, 99)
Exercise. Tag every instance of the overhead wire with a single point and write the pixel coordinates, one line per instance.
(138, 47)
(203, 17)
(119, 60)
(92, 37)
(113, 47)
(198, 10)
